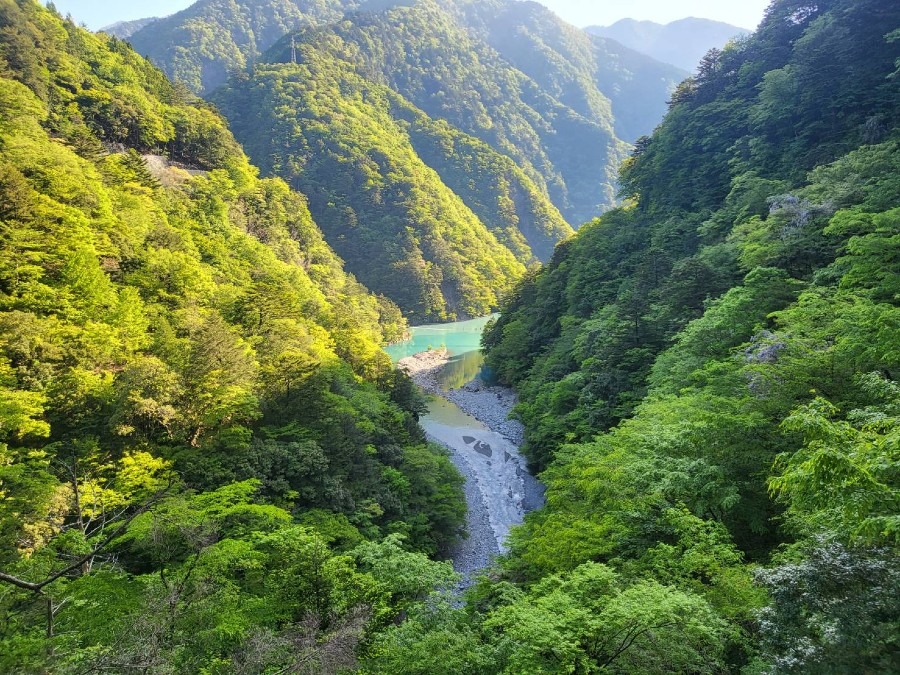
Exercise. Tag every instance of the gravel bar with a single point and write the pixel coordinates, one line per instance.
(499, 489)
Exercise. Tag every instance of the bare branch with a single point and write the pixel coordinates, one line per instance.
(38, 587)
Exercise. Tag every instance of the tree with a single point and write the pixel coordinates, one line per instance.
(834, 611)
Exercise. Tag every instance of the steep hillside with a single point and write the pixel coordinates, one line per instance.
(742, 314)
(593, 76)
(201, 45)
(709, 374)
(437, 56)
(350, 146)
(125, 29)
(205, 455)
(743, 131)
(682, 43)
(508, 73)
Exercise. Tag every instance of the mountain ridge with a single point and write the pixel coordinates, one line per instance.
(125, 29)
(682, 43)
(530, 157)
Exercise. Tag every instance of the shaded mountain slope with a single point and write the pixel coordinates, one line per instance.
(510, 74)
(742, 131)
(350, 145)
(426, 54)
(597, 78)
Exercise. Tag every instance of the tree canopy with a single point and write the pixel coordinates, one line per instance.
(205, 456)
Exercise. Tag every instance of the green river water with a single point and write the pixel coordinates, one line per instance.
(498, 487)
(462, 340)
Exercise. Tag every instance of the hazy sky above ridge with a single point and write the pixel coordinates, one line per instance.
(97, 14)
(745, 13)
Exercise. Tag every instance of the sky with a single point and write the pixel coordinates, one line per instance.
(741, 13)
(99, 13)
(744, 13)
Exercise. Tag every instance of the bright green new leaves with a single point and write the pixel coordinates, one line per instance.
(20, 411)
(709, 374)
(871, 252)
(844, 479)
(586, 622)
(186, 371)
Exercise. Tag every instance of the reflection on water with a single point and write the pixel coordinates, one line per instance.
(442, 411)
(458, 338)
(461, 369)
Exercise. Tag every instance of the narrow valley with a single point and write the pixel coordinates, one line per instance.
(471, 419)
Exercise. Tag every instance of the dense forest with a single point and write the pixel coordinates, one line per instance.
(207, 463)
(436, 168)
(444, 146)
(558, 101)
(378, 172)
(708, 375)
(201, 45)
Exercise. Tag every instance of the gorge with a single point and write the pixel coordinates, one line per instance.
(471, 419)
(210, 463)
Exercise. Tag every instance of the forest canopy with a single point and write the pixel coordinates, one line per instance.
(708, 375)
(208, 464)
(203, 448)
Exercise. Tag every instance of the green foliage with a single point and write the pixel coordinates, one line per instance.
(513, 76)
(579, 339)
(708, 375)
(207, 464)
(201, 45)
(440, 156)
(195, 411)
(447, 59)
(402, 231)
(834, 611)
(843, 479)
(586, 622)
(435, 638)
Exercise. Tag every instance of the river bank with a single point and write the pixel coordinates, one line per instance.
(472, 423)
(489, 405)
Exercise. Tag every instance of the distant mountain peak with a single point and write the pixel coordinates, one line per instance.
(125, 29)
(681, 43)
(688, 20)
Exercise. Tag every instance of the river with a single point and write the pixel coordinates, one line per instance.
(470, 419)
(461, 339)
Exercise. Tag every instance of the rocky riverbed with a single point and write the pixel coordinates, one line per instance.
(473, 423)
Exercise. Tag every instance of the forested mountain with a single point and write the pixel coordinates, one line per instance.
(682, 43)
(201, 45)
(539, 99)
(207, 463)
(708, 376)
(125, 29)
(509, 73)
(404, 126)
(579, 71)
(444, 146)
(433, 218)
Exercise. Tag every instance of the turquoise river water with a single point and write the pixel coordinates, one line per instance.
(495, 472)
(462, 340)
